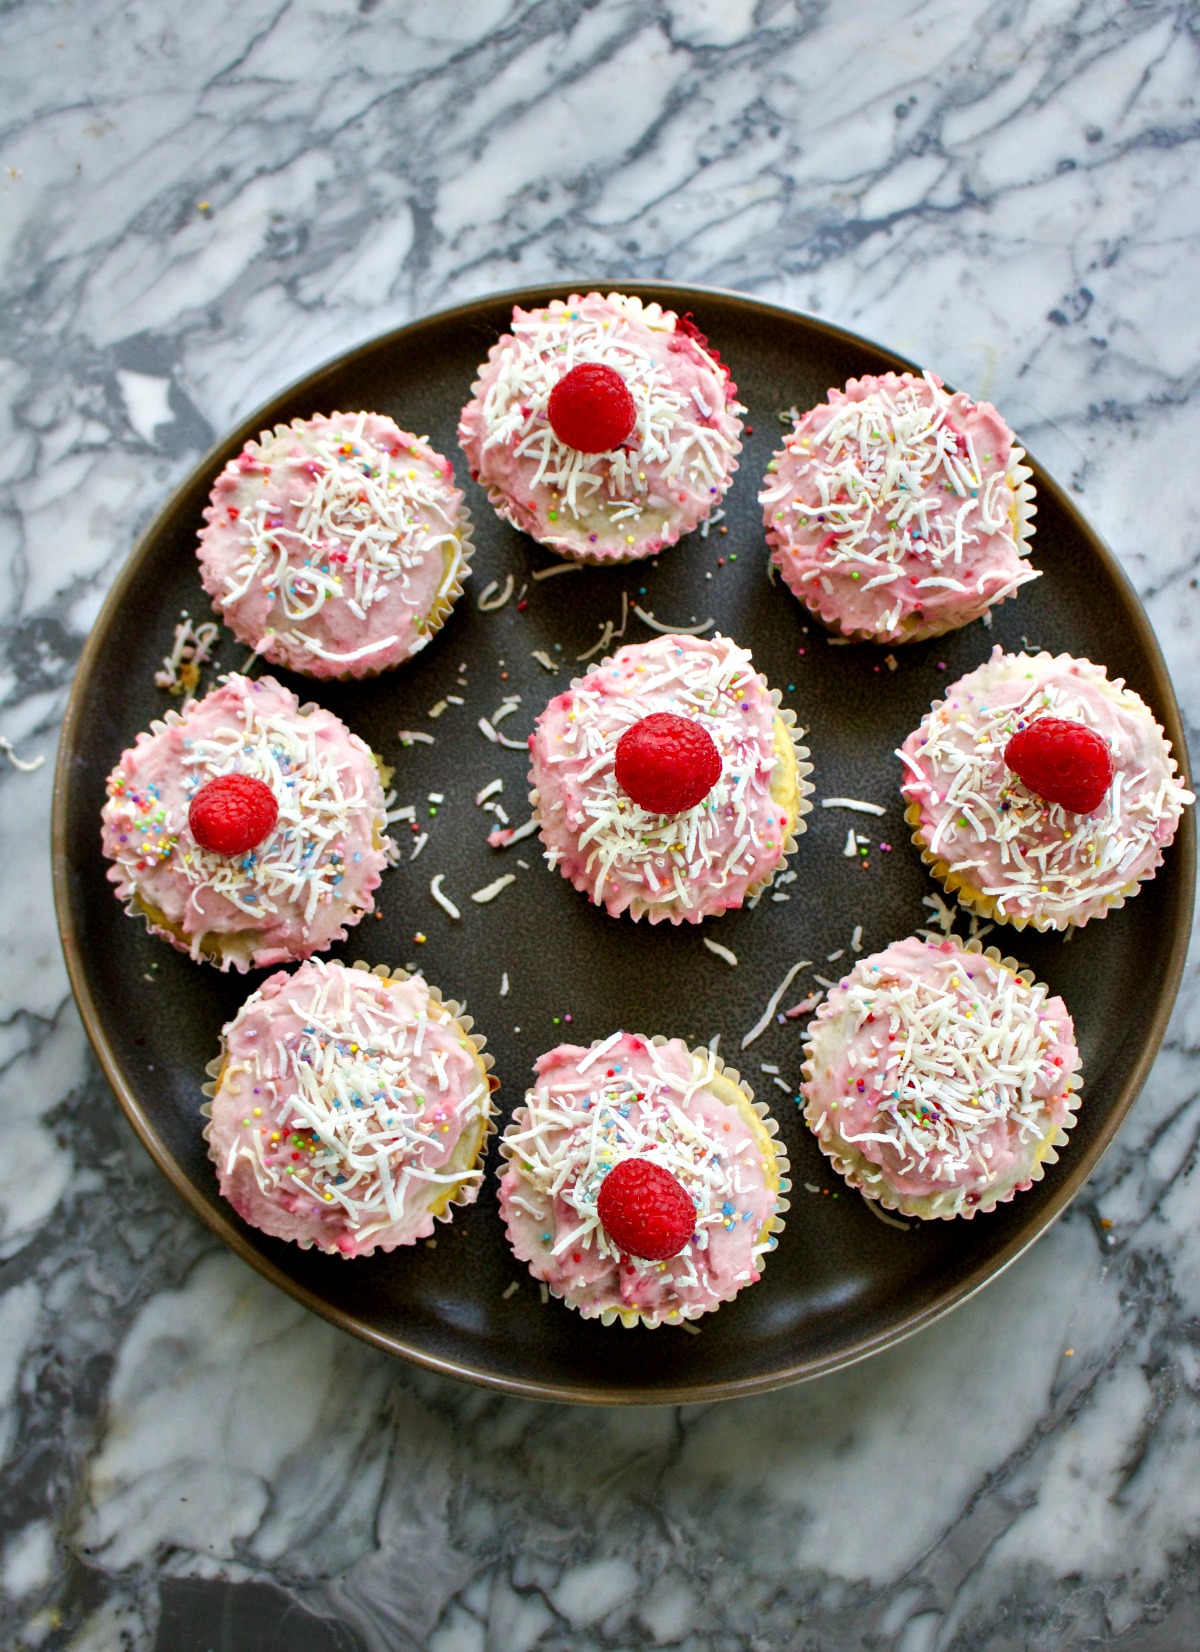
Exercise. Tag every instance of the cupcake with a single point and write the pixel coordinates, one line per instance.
(642, 1181)
(897, 509)
(349, 1109)
(1039, 792)
(940, 1079)
(247, 829)
(335, 546)
(668, 783)
(604, 427)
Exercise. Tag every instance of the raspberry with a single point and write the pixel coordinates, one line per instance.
(1062, 762)
(667, 763)
(686, 328)
(685, 325)
(232, 814)
(591, 408)
(645, 1210)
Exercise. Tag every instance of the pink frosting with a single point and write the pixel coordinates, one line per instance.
(306, 883)
(941, 1068)
(630, 502)
(326, 543)
(889, 509)
(1038, 861)
(682, 867)
(620, 1099)
(327, 1071)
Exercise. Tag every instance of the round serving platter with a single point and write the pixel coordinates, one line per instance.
(842, 1284)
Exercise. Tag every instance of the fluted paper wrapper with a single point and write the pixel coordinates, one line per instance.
(1020, 480)
(670, 534)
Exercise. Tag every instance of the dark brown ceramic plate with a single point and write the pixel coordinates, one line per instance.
(841, 1284)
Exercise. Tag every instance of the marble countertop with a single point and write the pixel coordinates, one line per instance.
(199, 203)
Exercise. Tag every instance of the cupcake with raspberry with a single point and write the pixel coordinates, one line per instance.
(1041, 793)
(247, 829)
(604, 427)
(349, 1109)
(335, 546)
(939, 1079)
(897, 509)
(642, 1181)
(668, 782)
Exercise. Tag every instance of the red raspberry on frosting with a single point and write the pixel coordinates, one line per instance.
(1063, 762)
(685, 330)
(233, 814)
(645, 1210)
(591, 408)
(667, 763)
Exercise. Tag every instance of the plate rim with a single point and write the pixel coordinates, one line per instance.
(1069, 1183)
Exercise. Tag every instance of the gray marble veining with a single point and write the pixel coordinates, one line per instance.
(1006, 193)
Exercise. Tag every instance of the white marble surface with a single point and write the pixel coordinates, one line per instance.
(1008, 194)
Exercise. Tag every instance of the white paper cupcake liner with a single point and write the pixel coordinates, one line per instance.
(785, 718)
(1020, 480)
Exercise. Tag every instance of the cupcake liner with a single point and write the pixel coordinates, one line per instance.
(460, 1194)
(868, 1179)
(924, 631)
(233, 949)
(786, 729)
(964, 892)
(448, 592)
(637, 552)
(224, 951)
(447, 596)
(785, 721)
(984, 906)
(1020, 480)
(733, 1089)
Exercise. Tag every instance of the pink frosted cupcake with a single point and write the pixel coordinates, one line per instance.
(604, 427)
(940, 1079)
(350, 1109)
(1039, 792)
(668, 783)
(642, 1182)
(335, 546)
(898, 510)
(247, 829)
